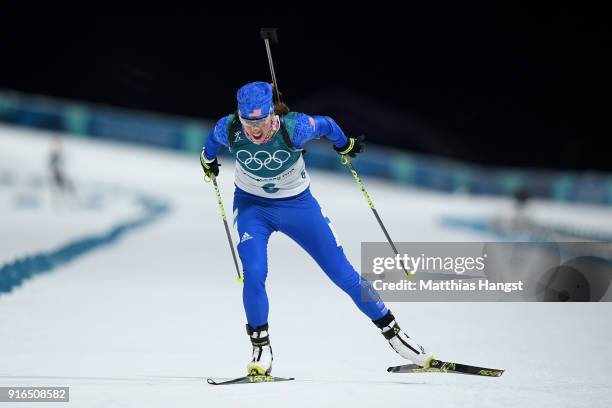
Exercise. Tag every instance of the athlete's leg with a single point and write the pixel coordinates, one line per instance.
(306, 224)
(254, 226)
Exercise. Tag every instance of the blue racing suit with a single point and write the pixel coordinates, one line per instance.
(272, 194)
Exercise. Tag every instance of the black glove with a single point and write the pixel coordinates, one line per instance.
(210, 167)
(352, 147)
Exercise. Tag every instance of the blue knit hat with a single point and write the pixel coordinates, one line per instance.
(255, 100)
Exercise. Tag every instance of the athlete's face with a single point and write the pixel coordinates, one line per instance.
(257, 130)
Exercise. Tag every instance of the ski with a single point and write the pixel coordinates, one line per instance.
(438, 366)
(249, 379)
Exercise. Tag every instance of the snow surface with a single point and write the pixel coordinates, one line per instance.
(143, 322)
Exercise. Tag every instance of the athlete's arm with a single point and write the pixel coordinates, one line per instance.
(310, 127)
(216, 138)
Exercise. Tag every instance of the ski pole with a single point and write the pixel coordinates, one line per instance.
(346, 160)
(227, 231)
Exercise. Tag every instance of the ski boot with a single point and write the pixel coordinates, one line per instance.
(261, 363)
(401, 343)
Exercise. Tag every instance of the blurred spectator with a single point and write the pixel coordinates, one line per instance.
(61, 185)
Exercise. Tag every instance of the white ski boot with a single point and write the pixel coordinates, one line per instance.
(261, 363)
(401, 343)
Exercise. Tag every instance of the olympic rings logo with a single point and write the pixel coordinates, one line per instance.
(262, 159)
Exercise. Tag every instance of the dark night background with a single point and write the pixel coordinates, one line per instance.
(492, 85)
